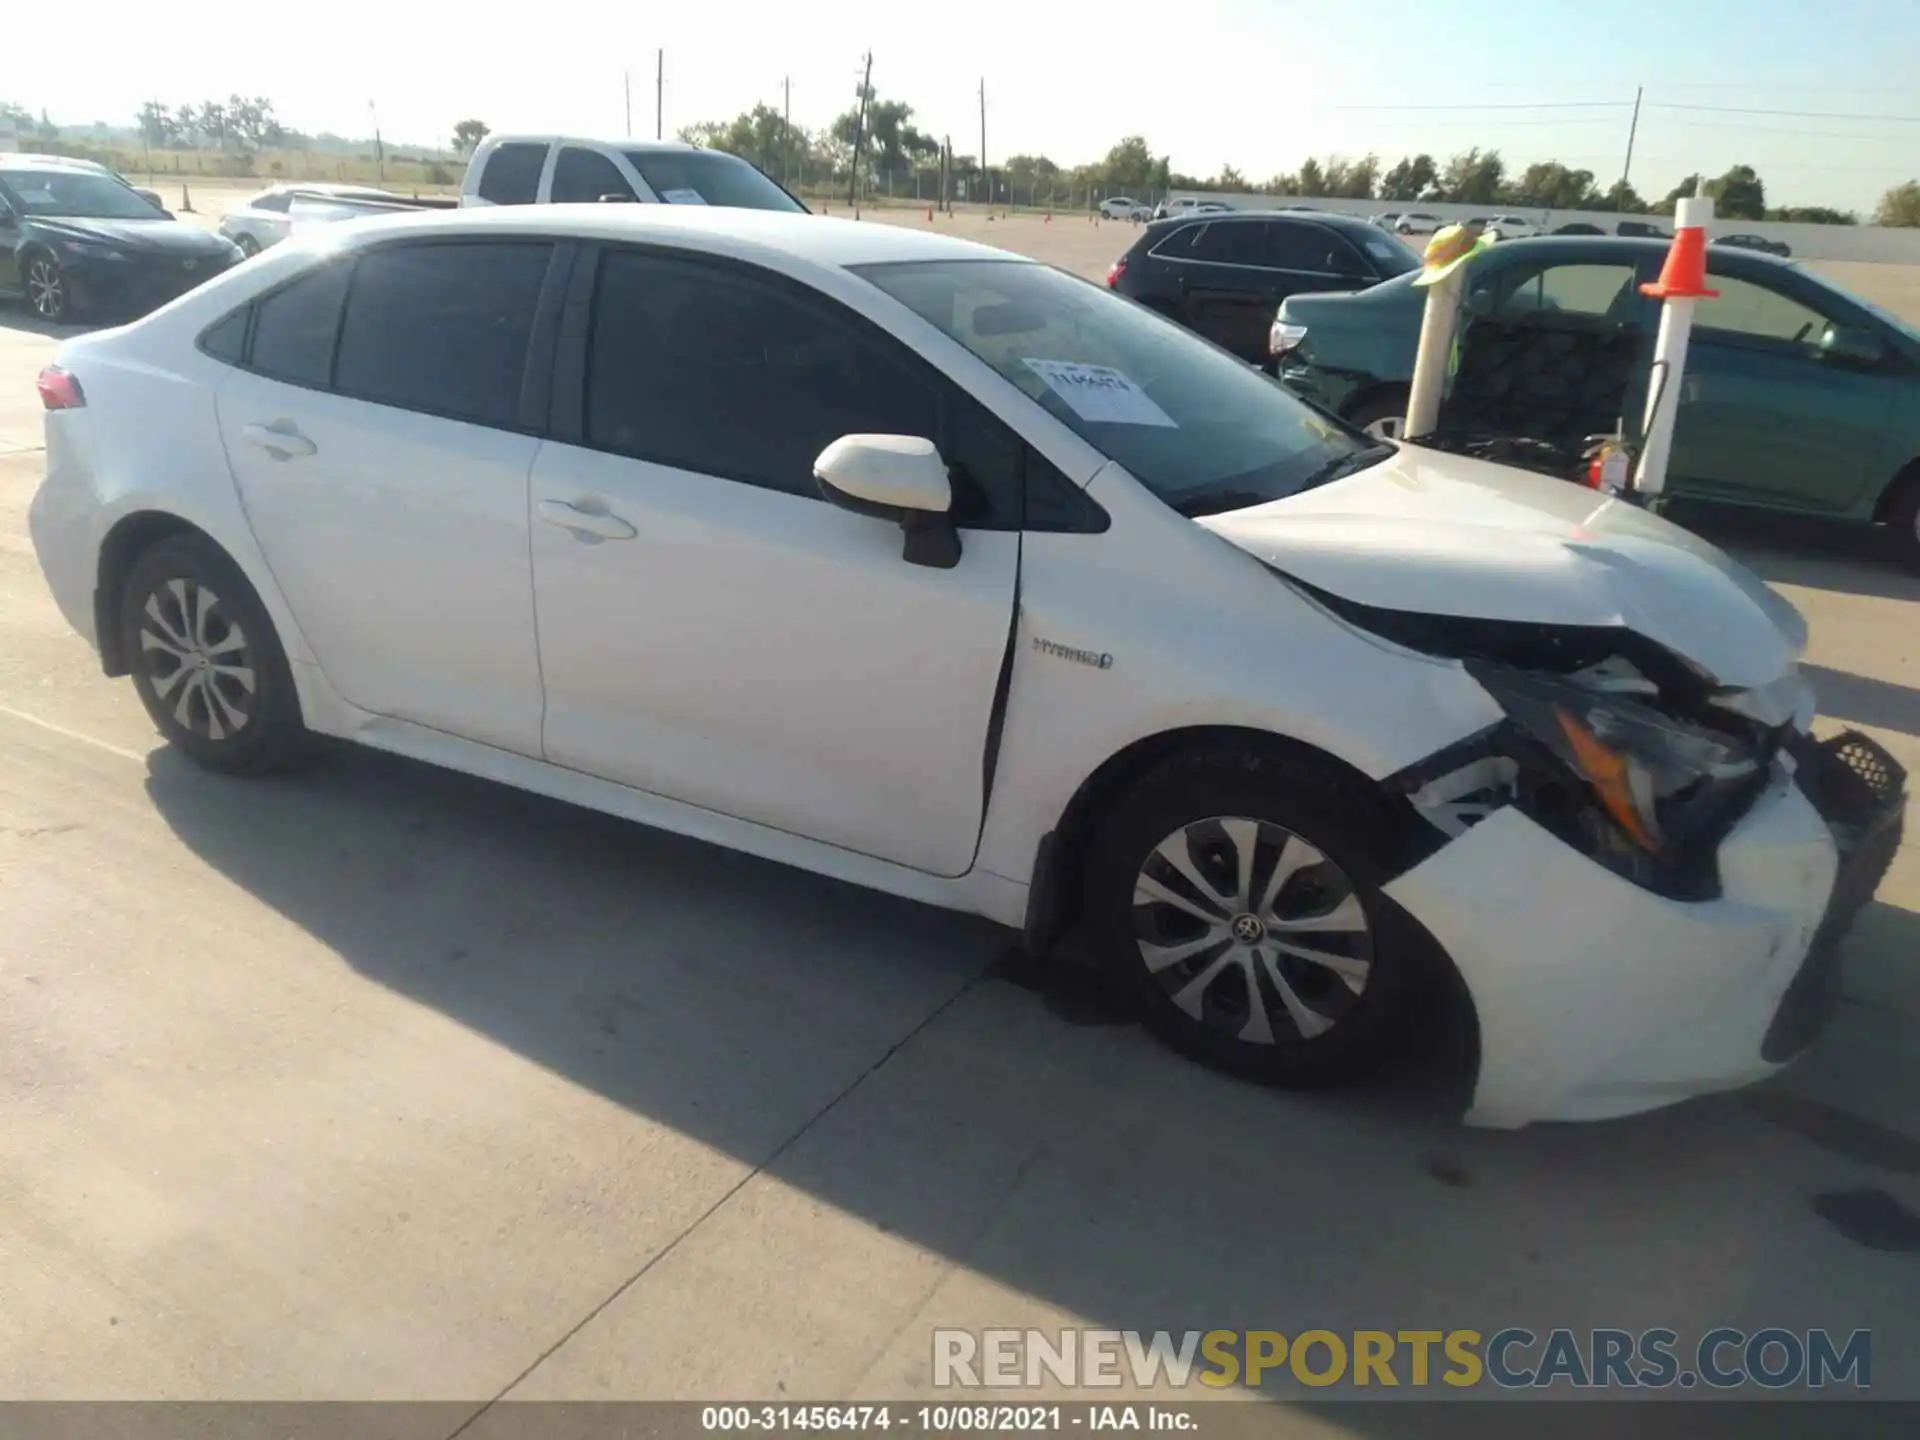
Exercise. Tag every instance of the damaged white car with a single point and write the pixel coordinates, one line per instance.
(921, 565)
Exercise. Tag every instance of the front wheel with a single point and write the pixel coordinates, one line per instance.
(1384, 416)
(1239, 897)
(49, 293)
(205, 659)
(248, 246)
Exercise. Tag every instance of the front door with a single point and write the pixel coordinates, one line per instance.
(1765, 416)
(383, 461)
(711, 629)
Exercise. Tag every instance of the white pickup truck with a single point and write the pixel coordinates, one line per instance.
(564, 169)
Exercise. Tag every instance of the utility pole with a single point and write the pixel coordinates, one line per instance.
(946, 174)
(985, 173)
(659, 94)
(859, 135)
(379, 150)
(786, 126)
(1626, 171)
(627, 76)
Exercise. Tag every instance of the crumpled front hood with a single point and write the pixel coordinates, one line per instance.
(1440, 534)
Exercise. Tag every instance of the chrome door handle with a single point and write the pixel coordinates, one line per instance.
(585, 522)
(282, 439)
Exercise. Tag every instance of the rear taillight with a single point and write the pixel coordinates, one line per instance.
(1115, 271)
(59, 390)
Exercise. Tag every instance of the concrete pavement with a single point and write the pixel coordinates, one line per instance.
(379, 1082)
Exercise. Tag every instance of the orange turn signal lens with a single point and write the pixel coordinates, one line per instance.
(1607, 773)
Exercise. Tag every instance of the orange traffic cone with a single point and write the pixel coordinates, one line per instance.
(1049, 219)
(929, 214)
(1684, 276)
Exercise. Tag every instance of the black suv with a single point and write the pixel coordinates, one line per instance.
(1224, 275)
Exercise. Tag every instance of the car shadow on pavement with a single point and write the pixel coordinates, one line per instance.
(15, 316)
(1861, 700)
(887, 1060)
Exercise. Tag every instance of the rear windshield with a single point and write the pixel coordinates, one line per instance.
(709, 177)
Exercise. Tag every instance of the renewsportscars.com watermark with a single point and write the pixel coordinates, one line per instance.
(1510, 1359)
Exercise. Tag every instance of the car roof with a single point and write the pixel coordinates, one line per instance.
(20, 160)
(821, 240)
(610, 142)
(1331, 218)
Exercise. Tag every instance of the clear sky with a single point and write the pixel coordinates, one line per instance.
(1260, 84)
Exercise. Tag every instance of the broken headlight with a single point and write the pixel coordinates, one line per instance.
(1590, 759)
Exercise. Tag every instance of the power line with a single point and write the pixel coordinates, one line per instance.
(1798, 114)
(1746, 129)
(1541, 105)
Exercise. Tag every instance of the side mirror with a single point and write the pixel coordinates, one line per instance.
(1851, 345)
(900, 478)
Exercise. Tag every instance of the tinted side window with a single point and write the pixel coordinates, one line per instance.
(295, 326)
(1292, 246)
(1599, 291)
(512, 176)
(709, 369)
(443, 328)
(1179, 245)
(583, 176)
(277, 203)
(1750, 312)
(1230, 242)
(226, 339)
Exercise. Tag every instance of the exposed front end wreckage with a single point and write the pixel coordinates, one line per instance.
(1643, 869)
(1642, 875)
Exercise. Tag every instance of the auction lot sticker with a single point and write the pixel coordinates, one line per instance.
(1099, 394)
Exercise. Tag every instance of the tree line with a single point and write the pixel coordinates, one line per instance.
(894, 151)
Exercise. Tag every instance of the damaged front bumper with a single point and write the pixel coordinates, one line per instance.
(1595, 997)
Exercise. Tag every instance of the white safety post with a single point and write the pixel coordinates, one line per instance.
(1682, 285)
(1430, 360)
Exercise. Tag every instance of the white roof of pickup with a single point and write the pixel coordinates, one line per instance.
(821, 239)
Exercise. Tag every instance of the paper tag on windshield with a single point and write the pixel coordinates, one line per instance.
(683, 197)
(1100, 394)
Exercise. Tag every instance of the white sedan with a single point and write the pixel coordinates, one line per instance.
(1119, 207)
(915, 563)
(266, 219)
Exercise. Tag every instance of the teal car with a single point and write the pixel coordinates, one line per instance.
(1797, 395)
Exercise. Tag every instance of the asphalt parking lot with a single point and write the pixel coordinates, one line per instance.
(378, 1082)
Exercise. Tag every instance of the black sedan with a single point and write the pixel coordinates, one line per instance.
(1755, 242)
(77, 244)
(1224, 275)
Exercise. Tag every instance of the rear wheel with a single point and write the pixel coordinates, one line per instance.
(205, 659)
(248, 246)
(1383, 416)
(1238, 897)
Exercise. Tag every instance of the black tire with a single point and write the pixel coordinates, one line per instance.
(1354, 835)
(1903, 520)
(48, 292)
(206, 661)
(1384, 406)
(248, 246)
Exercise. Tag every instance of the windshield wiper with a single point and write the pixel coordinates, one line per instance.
(1346, 465)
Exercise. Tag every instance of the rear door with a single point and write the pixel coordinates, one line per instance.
(1765, 415)
(1228, 290)
(381, 431)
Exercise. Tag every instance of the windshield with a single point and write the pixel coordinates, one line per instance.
(1391, 256)
(76, 193)
(709, 177)
(1204, 431)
